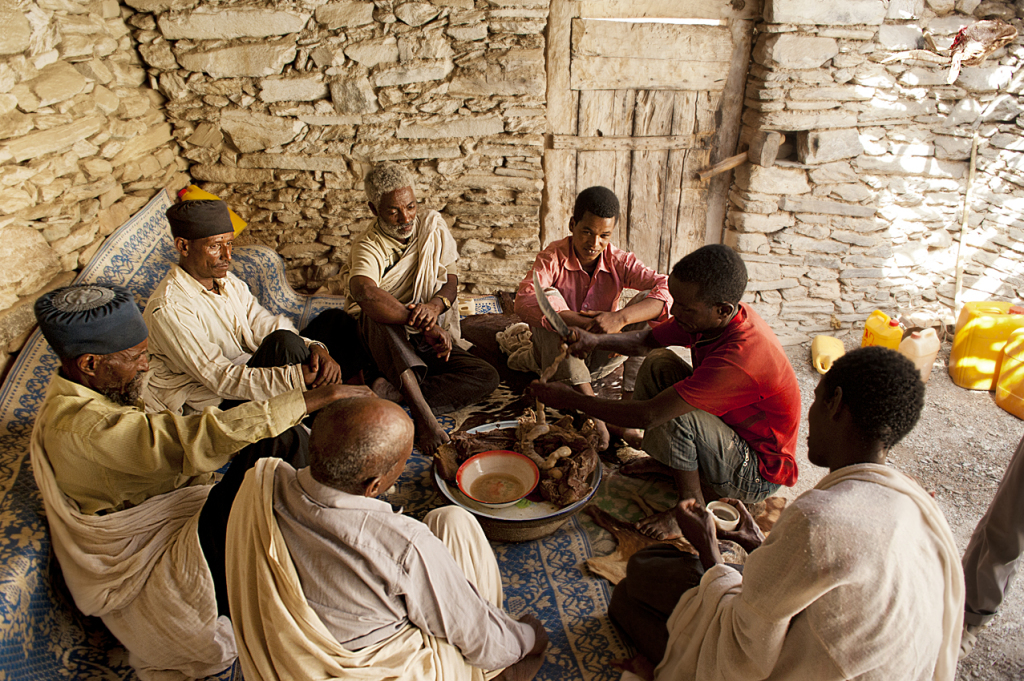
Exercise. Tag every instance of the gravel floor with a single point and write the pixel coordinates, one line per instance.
(958, 451)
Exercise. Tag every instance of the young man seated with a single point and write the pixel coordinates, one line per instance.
(725, 427)
(583, 276)
(859, 579)
(330, 582)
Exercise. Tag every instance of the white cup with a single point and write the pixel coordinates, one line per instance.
(726, 517)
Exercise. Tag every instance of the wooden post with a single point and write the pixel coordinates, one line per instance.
(764, 147)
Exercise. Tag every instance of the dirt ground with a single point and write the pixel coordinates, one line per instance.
(958, 450)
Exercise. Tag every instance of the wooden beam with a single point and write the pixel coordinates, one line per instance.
(722, 166)
(621, 73)
(609, 143)
(764, 147)
(663, 42)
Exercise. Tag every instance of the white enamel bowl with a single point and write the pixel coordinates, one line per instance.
(498, 478)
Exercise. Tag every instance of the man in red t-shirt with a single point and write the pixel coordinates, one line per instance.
(727, 426)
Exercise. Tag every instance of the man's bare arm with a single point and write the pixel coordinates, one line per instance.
(645, 414)
(381, 306)
(630, 343)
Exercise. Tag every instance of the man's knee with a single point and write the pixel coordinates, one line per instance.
(662, 368)
(280, 348)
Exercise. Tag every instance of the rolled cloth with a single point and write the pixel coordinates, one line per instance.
(199, 219)
(90, 319)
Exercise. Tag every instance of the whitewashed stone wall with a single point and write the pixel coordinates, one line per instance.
(866, 212)
(83, 145)
(281, 109)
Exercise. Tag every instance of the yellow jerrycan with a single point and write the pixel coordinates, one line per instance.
(982, 330)
(194, 193)
(1010, 384)
(824, 351)
(880, 329)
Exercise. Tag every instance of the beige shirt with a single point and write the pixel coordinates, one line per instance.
(106, 457)
(199, 342)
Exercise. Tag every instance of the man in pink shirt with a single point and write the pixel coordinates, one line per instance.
(583, 276)
(725, 427)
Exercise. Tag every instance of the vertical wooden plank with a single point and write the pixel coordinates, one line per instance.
(559, 166)
(728, 130)
(596, 118)
(683, 123)
(693, 207)
(623, 108)
(653, 116)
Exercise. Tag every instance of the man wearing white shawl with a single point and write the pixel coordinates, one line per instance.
(860, 578)
(326, 581)
(403, 285)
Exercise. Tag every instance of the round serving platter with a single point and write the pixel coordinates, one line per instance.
(525, 520)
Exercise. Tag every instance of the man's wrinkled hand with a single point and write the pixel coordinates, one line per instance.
(440, 340)
(697, 524)
(422, 316)
(322, 369)
(747, 534)
(583, 344)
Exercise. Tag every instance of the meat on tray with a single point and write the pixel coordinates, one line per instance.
(565, 456)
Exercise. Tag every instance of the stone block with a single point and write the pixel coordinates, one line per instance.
(17, 32)
(836, 94)
(417, 71)
(774, 180)
(143, 144)
(757, 222)
(801, 120)
(854, 238)
(904, 9)
(302, 89)
(861, 273)
(53, 140)
(910, 165)
(16, 320)
(900, 37)
(352, 96)
(416, 13)
(252, 60)
(802, 243)
(253, 132)
(940, 7)
(345, 14)
(845, 13)
(331, 164)
(763, 271)
(746, 243)
(825, 146)
(57, 82)
(221, 23)
(519, 72)
(985, 78)
(369, 53)
(229, 175)
(464, 126)
(405, 151)
(468, 33)
(824, 206)
(789, 51)
(754, 286)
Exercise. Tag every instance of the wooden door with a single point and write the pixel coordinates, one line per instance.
(640, 106)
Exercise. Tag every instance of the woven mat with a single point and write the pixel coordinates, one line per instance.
(42, 635)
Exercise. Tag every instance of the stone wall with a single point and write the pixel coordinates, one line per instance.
(83, 145)
(864, 211)
(281, 109)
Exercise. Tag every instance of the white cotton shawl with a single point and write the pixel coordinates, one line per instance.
(423, 269)
(281, 637)
(860, 579)
(142, 571)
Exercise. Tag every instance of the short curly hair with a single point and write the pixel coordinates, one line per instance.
(600, 202)
(718, 271)
(882, 389)
(385, 178)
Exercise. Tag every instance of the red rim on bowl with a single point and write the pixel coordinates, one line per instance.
(501, 453)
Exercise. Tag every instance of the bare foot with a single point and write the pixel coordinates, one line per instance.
(661, 526)
(386, 391)
(646, 466)
(429, 437)
(634, 437)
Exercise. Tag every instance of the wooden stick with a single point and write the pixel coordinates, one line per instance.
(958, 289)
(722, 166)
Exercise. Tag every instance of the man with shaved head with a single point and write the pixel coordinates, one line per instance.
(329, 578)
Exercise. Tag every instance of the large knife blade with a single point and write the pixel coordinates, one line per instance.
(556, 322)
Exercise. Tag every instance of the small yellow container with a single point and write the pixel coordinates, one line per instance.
(880, 329)
(983, 328)
(1010, 384)
(824, 351)
(194, 193)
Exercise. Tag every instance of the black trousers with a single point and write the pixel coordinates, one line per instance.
(656, 577)
(339, 332)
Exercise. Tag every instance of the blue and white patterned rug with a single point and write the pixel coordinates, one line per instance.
(43, 636)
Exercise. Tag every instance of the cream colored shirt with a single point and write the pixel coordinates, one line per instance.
(106, 457)
(199, 342)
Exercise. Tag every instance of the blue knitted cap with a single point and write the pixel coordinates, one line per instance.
(90, 319)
